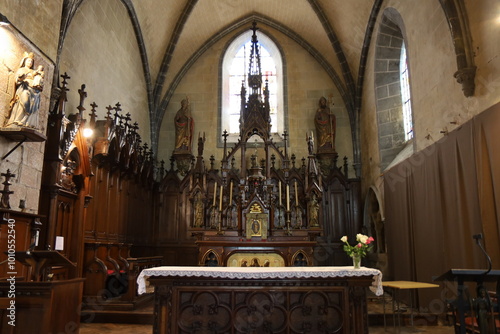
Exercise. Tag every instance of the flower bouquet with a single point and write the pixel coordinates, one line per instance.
(363, 246)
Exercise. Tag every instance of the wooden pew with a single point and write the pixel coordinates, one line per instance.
(137, 264)
(111, 275)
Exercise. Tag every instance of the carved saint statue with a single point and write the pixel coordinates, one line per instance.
(184, 125)
(310, 144)
(198, 210)
(325, 123)
(25, 103)
(313, 209)
(482, 306)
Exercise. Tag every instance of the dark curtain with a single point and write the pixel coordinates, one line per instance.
(486, 132)
(397, 191)
(437, 199)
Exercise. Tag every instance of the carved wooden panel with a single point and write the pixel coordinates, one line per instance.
(267, 312)
(43, 307)
(196, 305)
(100, 212)
(15, 226)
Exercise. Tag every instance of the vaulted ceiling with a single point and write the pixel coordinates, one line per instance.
(173, 32)
(172, 35)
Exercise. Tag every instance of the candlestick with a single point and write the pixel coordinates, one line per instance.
(220, 200)
(215, 193)
(231, 193)
(279, 193)
(287, 197)
(296, 195)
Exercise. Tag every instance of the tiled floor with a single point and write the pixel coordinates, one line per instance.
(374, 307)
(115, 329)
(428, 329)
(148, 329)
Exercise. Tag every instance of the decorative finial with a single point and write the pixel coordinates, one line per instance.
(6, 192)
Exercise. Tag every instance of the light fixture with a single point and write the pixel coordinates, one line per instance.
(87, 132)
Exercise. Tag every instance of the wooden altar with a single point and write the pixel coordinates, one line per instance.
(260, 300)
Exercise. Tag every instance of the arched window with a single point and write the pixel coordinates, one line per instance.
(392, 92)
(405, 94)
(235, 72)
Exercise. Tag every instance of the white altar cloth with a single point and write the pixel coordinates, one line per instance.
(259, 273)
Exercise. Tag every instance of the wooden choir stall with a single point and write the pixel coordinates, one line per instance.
(93, 220)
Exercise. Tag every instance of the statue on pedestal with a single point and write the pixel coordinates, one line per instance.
(325, 123)
(184, 125)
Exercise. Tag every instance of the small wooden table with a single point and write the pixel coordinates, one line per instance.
(404, 285)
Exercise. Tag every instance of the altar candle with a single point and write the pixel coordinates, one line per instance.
(279, 192)
(288, 197)
(215, 193)
(296, 195)
(231, 193)
(220, 199)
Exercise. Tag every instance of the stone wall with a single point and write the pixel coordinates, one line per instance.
(33, 27)
(438, 103)
(39, 21)
(100, 50)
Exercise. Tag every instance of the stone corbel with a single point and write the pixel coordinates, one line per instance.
(465, 77)
(458, 22)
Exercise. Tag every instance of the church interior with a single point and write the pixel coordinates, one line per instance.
(138, 134)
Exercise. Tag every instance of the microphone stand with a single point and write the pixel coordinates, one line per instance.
(478, 237)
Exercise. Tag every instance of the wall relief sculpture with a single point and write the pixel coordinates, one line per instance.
(24, 92)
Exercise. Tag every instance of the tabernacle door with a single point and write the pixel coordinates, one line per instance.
(256, 222)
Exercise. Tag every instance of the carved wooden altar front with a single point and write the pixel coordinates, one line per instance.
(264, 300)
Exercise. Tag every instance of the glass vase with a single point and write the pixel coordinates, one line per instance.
(356, 261)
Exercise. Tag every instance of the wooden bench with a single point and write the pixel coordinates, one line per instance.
(111, 272)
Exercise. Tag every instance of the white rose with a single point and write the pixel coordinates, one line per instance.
(344, 238)
(361, 238)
